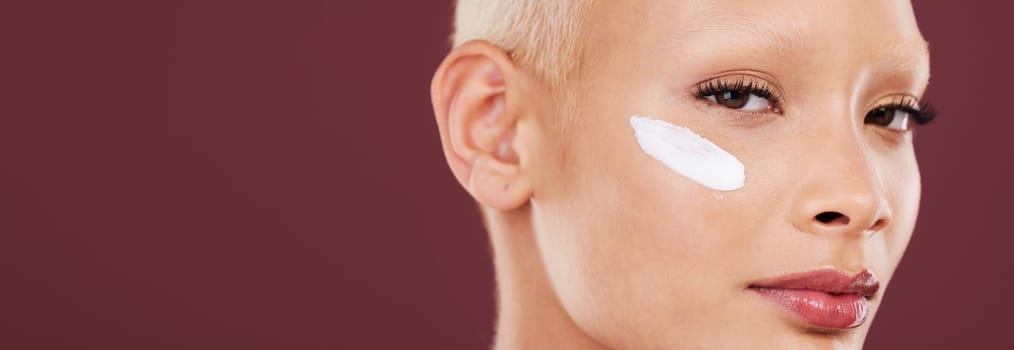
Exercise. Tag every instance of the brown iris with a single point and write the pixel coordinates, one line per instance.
(732, 99)
(880, 116)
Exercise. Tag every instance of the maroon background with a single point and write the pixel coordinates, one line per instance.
(220, 174)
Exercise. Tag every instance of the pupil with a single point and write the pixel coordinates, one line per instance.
(880, 116)
(733, 99)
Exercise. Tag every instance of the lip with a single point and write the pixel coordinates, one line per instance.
(826, 298)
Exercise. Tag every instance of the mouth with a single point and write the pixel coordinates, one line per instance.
(826, 298)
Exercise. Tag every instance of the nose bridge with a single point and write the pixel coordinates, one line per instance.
(842, 192)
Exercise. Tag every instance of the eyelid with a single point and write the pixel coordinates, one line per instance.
(754, 83)
(906, 101)
(757, 78)
(916, 113)
(920, 113)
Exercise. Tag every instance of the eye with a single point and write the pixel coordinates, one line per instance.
(739, 93)
(900, 114)
(740, 100)
(889, 117)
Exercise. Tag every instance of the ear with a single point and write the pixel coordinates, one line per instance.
(477, 114)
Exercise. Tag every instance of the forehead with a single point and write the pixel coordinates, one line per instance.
(834, 32)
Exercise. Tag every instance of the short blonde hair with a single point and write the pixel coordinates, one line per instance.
(540, 35)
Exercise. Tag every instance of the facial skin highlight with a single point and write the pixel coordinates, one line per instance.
(597, 246)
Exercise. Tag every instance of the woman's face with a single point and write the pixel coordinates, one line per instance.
(643, 257)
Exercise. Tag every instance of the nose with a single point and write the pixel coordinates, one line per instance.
(841, 197)
(844, 210)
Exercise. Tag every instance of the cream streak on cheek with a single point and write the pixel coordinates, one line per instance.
(689, 154)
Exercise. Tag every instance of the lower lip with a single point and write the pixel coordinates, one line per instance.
(820, 309)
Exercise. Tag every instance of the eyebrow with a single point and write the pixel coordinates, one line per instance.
(782, 37)
(904, 55)
(788, 41)
(786, 38)
(906, 61)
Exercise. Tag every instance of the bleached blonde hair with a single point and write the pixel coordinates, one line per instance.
(540, 35)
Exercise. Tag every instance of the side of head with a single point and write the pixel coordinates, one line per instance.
(642, 246)
(512, 67)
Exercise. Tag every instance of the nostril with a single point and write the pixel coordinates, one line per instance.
(832, 217)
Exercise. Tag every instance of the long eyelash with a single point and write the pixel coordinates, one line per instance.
(718, 86)
(922, 114)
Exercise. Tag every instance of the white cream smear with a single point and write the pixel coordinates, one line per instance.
(689, 154)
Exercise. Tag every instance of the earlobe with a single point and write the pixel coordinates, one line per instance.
(478, 127)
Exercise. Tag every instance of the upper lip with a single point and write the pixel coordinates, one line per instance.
(829, 280)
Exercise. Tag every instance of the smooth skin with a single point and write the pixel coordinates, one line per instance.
(599, 246)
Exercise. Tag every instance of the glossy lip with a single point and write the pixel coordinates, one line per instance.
(826, 298)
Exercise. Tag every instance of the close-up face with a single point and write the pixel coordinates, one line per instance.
(802, 187)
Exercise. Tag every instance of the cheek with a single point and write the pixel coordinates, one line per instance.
(900, 180)
(904, 188)
(611, 204)
(629, 243)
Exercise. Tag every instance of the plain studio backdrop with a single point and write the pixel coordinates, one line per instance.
(267, 175)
